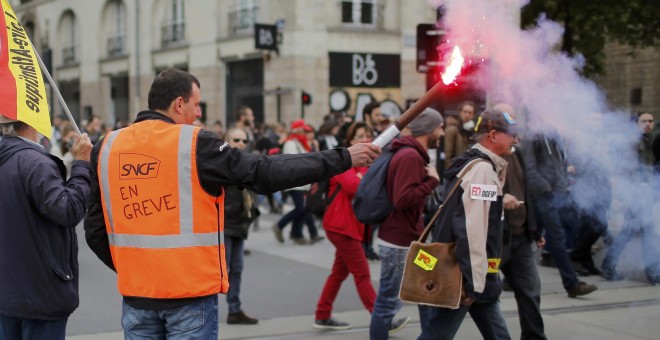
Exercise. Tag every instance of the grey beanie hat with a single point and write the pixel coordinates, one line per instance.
(425, 123)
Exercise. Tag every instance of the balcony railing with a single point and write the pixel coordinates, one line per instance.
(173, 34)
(241, 21)
(69, 55)
(362, 14)
(117, 45)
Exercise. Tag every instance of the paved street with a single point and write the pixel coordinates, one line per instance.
(282, 282)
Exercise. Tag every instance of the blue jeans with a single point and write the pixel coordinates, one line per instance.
(443, 323)
(234, 251)
(21, 328)
(638, 223)
(392, 262)
(298, 216)
(197, 320)
(550, 207)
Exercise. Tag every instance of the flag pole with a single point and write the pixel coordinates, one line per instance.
(44, 70)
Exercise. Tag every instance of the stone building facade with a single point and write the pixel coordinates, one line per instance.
(104, 54)
(632, 81)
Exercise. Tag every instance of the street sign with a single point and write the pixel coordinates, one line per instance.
(265, 37)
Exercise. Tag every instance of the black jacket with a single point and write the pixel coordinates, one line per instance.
(219, 165)
(38, 245)
(545, 165)
(532, 230)
(237, 221)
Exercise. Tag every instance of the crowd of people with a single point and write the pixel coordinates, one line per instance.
(181, 196)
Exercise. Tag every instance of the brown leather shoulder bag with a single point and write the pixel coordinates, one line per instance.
(431, 275)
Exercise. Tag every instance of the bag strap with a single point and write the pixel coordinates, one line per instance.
(429, 226)
(334, 193)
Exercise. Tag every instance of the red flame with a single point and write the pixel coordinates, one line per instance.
(454, 67)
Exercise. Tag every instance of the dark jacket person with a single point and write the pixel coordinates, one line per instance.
(38, 246)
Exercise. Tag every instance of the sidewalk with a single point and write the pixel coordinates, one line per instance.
(618, 310)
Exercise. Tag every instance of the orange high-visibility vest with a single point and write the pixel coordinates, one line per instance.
(165, 232)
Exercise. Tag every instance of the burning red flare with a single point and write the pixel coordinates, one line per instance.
(454, 67)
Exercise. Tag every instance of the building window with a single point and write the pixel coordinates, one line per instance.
(69, 38)
(362, 13)
(636, 96)
(116, 28)
(173, 30)
(243, 17)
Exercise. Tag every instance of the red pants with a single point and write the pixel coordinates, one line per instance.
(349, 258)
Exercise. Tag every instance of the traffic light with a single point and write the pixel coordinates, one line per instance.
(429, 38)
(306, 98)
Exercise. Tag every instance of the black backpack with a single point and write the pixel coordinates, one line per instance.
(318, 197)
(371, 204)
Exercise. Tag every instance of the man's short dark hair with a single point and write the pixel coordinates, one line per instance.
(369, 108)
(467, 102)
(241, 111)
(91, 119)
(169, 85)
(639, 115)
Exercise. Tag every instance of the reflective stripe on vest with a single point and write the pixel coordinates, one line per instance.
(105, 176)
(164, 241)
(185, 187)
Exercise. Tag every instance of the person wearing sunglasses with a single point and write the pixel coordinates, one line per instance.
(240, 212)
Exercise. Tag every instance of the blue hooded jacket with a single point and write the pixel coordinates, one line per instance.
(39, 211)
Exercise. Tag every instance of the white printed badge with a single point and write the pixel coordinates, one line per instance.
(484, 192)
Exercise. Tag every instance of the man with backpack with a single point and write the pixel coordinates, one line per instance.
(409, 180)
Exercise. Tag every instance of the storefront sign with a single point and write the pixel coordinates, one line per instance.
(365, 70)
(265, 37)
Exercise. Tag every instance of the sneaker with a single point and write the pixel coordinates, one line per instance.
(278, 233)
(398, 324)
(609, 272)
(653, 274)
(316, 238)
(277, 209)
(240, 319)
(581, 288)
(300, 241)
(372, 256)
(331, 324)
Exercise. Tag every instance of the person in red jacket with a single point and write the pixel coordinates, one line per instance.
(345, 232)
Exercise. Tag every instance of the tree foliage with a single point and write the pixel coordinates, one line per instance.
(589, 24)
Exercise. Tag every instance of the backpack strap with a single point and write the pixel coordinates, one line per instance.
(334, 193)
(429, 226)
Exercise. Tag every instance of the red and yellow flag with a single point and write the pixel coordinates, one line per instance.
(22, 94)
